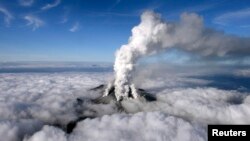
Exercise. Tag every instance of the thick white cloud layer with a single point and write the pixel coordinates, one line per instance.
(141, 126)
(32, 104)
(37, 99)
(48, 133)
(206, 105)
(180, 115)
(16, 130)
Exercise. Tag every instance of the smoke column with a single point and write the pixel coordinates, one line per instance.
(154, 35)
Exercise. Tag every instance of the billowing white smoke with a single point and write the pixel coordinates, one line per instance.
(154, 35)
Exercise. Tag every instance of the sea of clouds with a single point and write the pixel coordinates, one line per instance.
(36, 106)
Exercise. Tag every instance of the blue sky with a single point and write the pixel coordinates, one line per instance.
(92, 30)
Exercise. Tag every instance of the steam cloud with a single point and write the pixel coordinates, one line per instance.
(154, 35)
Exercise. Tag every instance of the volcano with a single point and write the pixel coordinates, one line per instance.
(143, 95)
(92, 108)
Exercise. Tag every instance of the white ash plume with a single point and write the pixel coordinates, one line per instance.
(154, 35)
